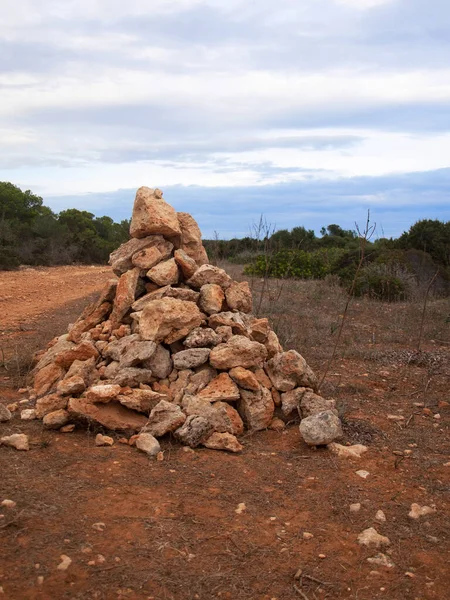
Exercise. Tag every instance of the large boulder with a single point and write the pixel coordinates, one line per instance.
(211, 298)
(256, 408)
(209, 274)
(111, 416)
(221, 387)
(121, 260)
(191, 238)
(150, 256)
(168, 320)
(165, 273)
(190, 359)
(194, 431)
(152, 215)
(239, 296)
(164, 418)
(125, 295)
(321, 429)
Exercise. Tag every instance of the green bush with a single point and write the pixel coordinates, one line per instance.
(295, 263)
(389, 283)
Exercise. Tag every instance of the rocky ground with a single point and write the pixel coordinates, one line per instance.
(279, 520)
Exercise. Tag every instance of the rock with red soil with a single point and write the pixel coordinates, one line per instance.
(125, 295)
(239, 296)
(223, 441)
(187, 265)
(137, 353)
(321, 429)
(150, 256)
(168, 320)
(191, 238)
(239, 351)
(56, 419)
(82, 351)
(141, 400)
(112, 416)
(223, 417)
(103, 393)
(116, 348)
(152, 215)
(244, 379)
(46, 379)
(209, 274)
(164, 418)
(288, 370)
(146, 442)
(132, 376)
(256, 408)
(222, 388)
(190, 359)
(165, 273)
(312, 404)
(202, 337)
(50, 403)
(194, 431)
(211, 298)
(19, 441)
(5, 414)
(71, 386)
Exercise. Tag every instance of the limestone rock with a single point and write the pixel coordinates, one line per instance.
(169, 320)
(160, 364)
(152, 215)
(137, 353)
(179, 386)
(164, 418)
(146, 442)
(370, 537)
(236, 320)
(71, 386)
(62, 344)
(209, 274)
(223, 441)
(288, 370)
(5, 414)
(259, 330)
(29, 414)
(82, 368)
(189, 359)
(165, 273)
(194, 431)
(381, 560)
(19, 441)
(187, 265)
(167, 291)
(102, 393)
(46, 379)
(244, 378)
(82, 351)
(355, 451)
(311, 404)
(239, 351)
(211, 298)
(90, 320)
(125, 295)
(116, 348)
(191, 238)
(272, 344)
(239, 296)
(132, 376)
(141, 400)
(277, 424)
(223, 417)
(199, 380)
(221, 387)
(321, 429)
(290, 401)
(56, 419)
(418, 511)
(121, 259)
(112, 416)
(202, 337)
(103, 440)
(48, 404)
(150, 256)
(256, 408)
(262, 378)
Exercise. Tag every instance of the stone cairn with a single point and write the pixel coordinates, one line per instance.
(171, 347)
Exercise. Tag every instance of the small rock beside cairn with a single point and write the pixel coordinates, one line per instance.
(171, 346)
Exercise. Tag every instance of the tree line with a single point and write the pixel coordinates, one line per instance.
(32, 234)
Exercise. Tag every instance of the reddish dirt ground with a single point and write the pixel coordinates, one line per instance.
(171, 530)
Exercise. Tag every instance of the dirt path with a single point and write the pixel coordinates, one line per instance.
(145, 530)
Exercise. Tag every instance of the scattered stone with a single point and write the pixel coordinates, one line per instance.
(418, 511)
(396, 418)
(65, 563)
(8, 503)
(355, 451)
(277, 424)
(380, 516)
(19, 441)
(362, 473)
(223, 441)
(147, 443)
(56, 419)
(103, 440)
(370, 537)
(307, 535)
(312, 404)
(68, 428)
(112, 416)
(356, 507)
(381, 560)
(5, 414)
(321, 429)
(288, 370)
(240, 508)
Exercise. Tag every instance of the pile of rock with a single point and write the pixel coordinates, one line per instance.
(171, 346)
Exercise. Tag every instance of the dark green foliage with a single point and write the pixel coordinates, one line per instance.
(30, 233)
(296, 263)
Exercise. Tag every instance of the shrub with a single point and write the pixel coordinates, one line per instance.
(389, 283)
(295, 263)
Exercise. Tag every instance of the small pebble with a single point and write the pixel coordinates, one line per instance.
(40, 580)
(8, 503)
(240, 508)
(65, 563)
(99, 526)
(362, 473)
(322, 555)
(380, 516)
(354, 508)
(307, 535)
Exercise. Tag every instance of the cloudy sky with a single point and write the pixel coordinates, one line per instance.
(308, 111)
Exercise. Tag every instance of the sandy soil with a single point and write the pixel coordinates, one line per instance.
(171, 530)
